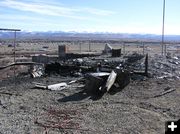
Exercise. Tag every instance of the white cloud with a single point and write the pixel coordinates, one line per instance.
(99, 11)
(54, 10)
(10, 17)
(30, 23)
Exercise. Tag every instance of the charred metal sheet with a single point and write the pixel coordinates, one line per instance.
(134, 58)
(94, 84)
(116, 52)
(110, 81)
(123, 78)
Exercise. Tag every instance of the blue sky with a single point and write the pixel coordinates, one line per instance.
(117, 16)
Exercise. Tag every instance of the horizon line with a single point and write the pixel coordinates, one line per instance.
(88, 32)
(98, 32)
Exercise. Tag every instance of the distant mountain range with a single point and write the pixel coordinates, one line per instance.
(86, 35)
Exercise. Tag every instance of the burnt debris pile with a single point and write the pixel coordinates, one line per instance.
(111, 74)
(101, 74)
(165, 68)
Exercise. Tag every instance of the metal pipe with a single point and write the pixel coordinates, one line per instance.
(7, 29)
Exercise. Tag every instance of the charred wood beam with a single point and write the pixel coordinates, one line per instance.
(20, 63)
(146, 65)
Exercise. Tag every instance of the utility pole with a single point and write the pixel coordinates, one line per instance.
(14, 43)
(162, 43)
(14, 51)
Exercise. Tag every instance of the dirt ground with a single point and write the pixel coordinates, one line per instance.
(135, 109)
(138, 108)
(78, 46)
